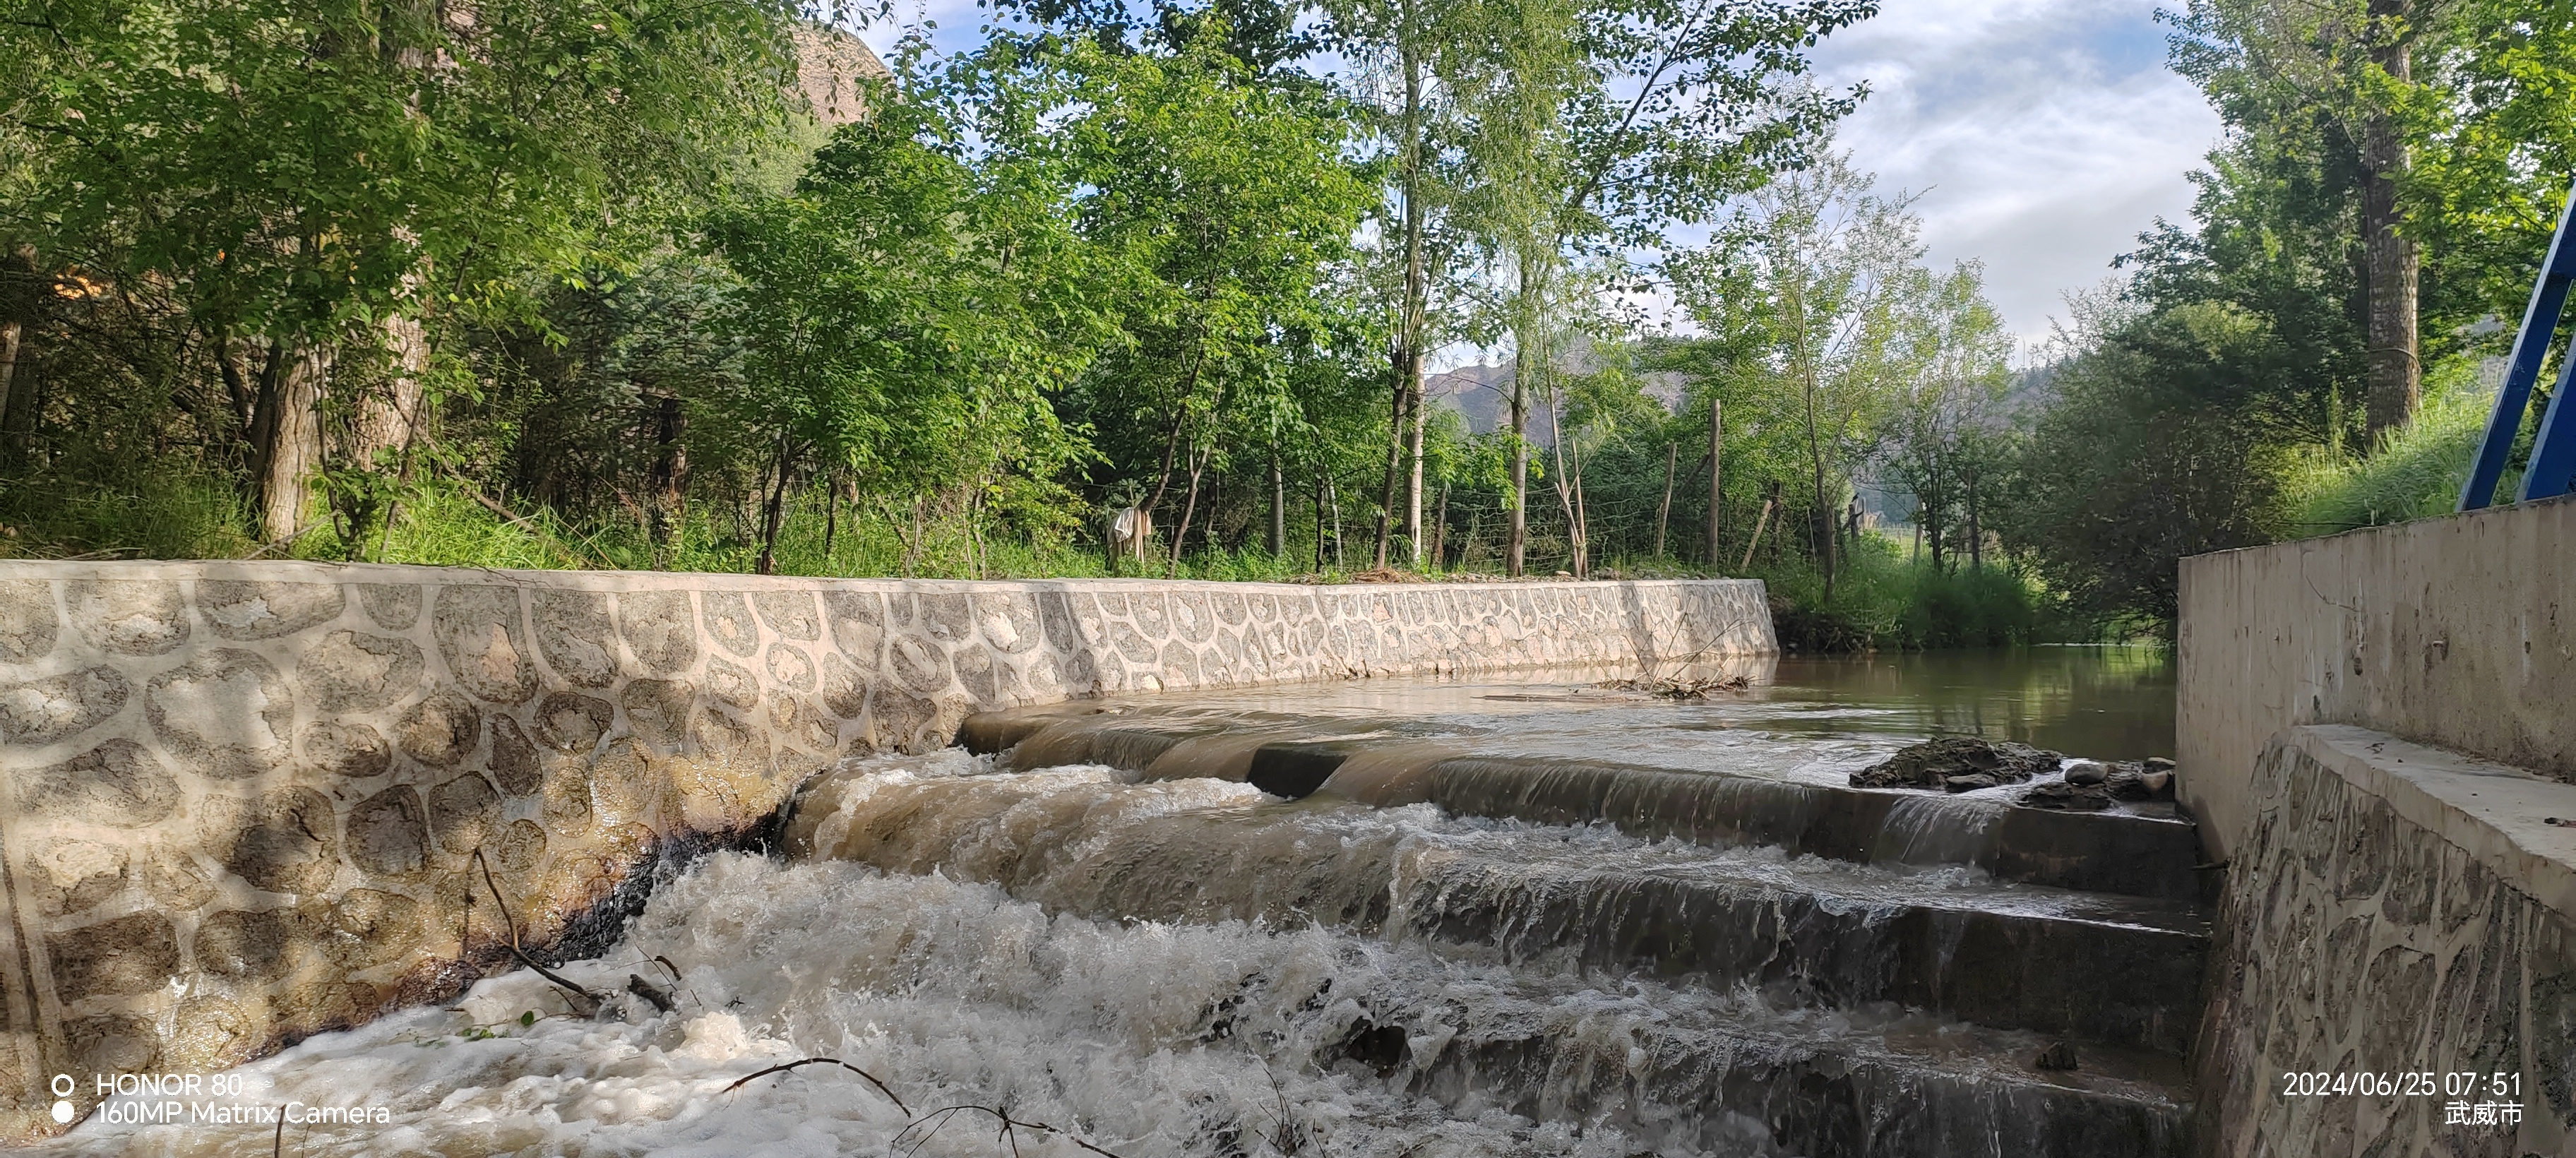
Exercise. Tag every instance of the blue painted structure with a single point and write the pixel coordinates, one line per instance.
(2553, 455)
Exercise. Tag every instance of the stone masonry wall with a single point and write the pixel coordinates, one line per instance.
(243, 802)
(2370, 928)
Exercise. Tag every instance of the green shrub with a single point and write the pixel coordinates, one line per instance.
(1883, 600)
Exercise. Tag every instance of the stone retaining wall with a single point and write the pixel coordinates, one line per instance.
(243, 802)
(2393, 909)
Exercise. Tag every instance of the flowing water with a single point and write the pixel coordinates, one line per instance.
(1113, 932)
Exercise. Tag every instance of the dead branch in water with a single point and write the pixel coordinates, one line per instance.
(1676, 688)
(568, 986)
(746, 1079)
(940, 1116)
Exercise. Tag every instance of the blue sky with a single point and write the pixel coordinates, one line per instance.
(2044, 135)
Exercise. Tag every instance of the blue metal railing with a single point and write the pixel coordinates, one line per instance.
(2553, 455)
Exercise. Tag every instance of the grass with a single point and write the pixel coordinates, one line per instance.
(2414, 472)
(1882, 599)
(1885, 601)
(163, 514)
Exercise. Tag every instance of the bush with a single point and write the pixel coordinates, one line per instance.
(1885, 601)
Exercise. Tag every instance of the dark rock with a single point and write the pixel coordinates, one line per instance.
(1970, 782)
(2086, 772)
(2065, 797)
(2058, 1056)
(2127, 783)
(1934, 764)
(1379, 1047)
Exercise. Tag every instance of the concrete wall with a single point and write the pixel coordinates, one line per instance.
(2393, 909)
(2458, 632)
(241, 802)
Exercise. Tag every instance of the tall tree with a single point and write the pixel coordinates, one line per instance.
(1605, 122)
(1830, 261)
(312, 179)
(2353, 60)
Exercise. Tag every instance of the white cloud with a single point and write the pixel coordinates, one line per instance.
(2045, 134)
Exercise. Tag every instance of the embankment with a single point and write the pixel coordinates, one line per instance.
(244, 802)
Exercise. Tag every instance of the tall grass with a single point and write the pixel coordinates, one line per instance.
(1883, 600)
(173, 512)
(444, 524)
(2414, 472)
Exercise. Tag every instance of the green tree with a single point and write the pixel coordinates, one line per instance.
(1219, 209)
(1829, 263)
(906, 318)
(312, 182)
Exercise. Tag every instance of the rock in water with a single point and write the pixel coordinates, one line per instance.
(2058, 1056)
(2065, 797)
(1957, 764)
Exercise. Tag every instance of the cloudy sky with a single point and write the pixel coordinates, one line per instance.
(2044, 134)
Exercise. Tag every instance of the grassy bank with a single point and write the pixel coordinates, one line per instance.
(1882, 599)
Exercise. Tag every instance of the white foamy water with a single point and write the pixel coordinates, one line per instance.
(1215, 1037)
(1145, 1039)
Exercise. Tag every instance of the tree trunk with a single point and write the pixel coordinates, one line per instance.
(773, 516)
(1278, 542)
(1189, 507)
(1333, 495)
(1416, 307)
(1716, 477)
(1319, 524)
(286, 435)
(8, 367)
(1516, 524)
(1976, 534)
(1440, 530)
(831, 520)
(669, 476)
(1664, 513)
(386, 418)
(2395, 373)
(1824, 515)
(1394, 468)
(1413, 486)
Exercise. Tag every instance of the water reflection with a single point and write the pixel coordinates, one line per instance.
(2092, 701)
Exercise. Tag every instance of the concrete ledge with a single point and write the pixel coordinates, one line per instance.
(2491, 812)
(2458, 631)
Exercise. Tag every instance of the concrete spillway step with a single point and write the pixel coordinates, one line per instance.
(2123, 853)
(2122, 971)
(1792, 1086)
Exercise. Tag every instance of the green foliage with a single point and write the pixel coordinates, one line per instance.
(109, 509)
(1882, 600)
(2413, 473)
(2147, 452)
(285, 167)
